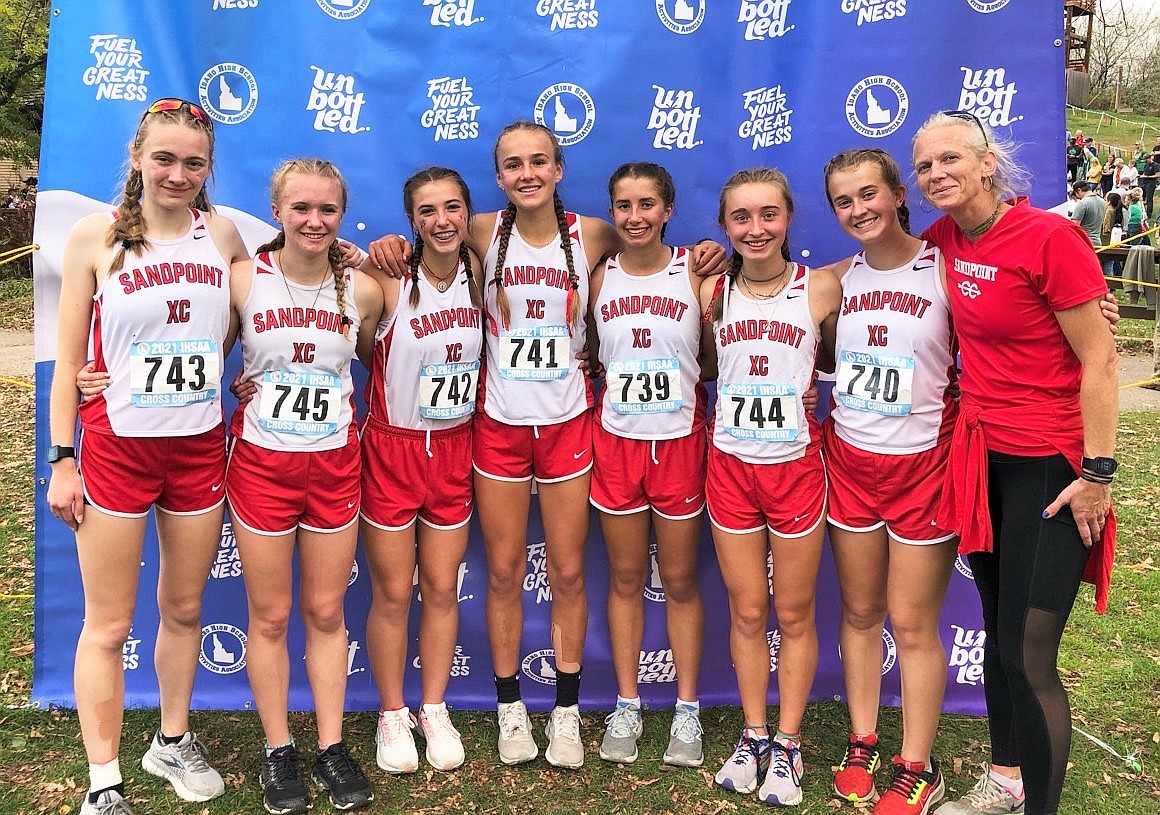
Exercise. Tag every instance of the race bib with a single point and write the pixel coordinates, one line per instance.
(538, 353)
(447, 391)
(644, 385)
(876, 383)
(171, 373)
(302, 403)
(761, 412)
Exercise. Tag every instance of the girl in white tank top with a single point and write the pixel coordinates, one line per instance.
(895, 359)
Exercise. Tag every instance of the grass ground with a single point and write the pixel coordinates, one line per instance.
(1123, 131)
(1111, 665)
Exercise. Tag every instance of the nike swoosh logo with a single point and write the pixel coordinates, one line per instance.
(350, 504)
(215, 487)
(198, 237)
(923, 268)
(690, 500)
(581, 454)
(797, 518)
(675, 271)
(792, 296)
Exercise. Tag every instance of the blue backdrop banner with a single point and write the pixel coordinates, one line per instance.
(384, 87)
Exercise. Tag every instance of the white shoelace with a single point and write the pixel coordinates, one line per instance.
(622, 721)
(440, 724)
(986, 792)
(393, 724)
(194, 755)
(566, 724)
(686, 726)
(513, 720)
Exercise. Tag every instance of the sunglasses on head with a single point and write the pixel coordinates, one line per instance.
(170, 103)
(968, 116)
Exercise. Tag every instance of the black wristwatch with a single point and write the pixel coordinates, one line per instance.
(1102, 467)
(59, 451)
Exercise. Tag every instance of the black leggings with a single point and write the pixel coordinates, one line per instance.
(1027, 586)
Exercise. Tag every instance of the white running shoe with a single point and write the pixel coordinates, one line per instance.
(395, 743)
(183, 765)
(783, 781)
(108, 802)
(444, 746)
(685, 744)
(624, 728)
(743, 770)
(565, 748)
(985, 798)
(516, 744)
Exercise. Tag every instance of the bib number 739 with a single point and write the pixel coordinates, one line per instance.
(644, 385)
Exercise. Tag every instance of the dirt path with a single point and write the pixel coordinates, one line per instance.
(17, 362)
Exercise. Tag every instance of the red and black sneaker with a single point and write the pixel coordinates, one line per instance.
(854, 778)
(914, 790)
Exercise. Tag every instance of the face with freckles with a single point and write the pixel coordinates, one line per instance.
(439, 214)
(527, 167)
(865, 205)
(756, 217)
(639, 212)
(310, 209)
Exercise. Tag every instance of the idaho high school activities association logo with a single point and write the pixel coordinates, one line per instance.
(877, 106)
(682, 16)
(228, 92)
(567, 110)
(987, 6)
(223, 648)
(343, 9)
(538, 666)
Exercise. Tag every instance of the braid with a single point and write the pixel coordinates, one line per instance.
(717, 307)
(904, 217)
(505, 234)
(272, 245)
(128, 228)
(334, 255)
(472, 288)
(416, 257)
(573, 306)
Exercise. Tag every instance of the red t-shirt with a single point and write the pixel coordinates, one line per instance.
(1004, 289)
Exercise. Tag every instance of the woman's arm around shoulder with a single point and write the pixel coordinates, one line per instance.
(227, 238)
(368, 295)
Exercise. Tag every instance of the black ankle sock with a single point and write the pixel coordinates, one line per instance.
(118, 788)
(169, 740)
(507, 688)
(567, 688)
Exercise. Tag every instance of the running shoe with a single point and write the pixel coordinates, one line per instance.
(516, 744)
(914, 790)
(183, 765)
(565, 748)
(444, 745)
(750, 759)
(783, 782)
(337, 772)
(624, 728)
(685, 747)
(283, 792)
(394, 743)
(108, 802)
(987, 797)
(854, 778)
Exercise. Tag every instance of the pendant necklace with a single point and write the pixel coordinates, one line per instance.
(441, 283)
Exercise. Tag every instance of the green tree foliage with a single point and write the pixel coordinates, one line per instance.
(23, 55)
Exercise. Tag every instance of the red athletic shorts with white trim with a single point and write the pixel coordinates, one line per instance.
(869, 489)
(632, 475)
(550, 452)
(273, 492)
(182, 475)
(788, 498)
(408, 475)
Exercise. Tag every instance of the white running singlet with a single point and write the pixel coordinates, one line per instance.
(294, 350)
(158, 328)
(766, 352)
(532, 376)
(894, 356)
(650, 338)
(427, 358)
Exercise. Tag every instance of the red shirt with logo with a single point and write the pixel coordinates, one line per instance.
(1004, 291)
